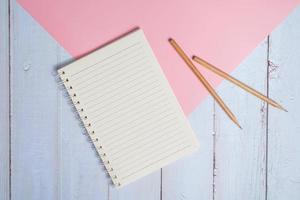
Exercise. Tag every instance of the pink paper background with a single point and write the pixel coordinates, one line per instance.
(222, 32)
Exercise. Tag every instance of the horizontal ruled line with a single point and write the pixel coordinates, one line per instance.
(85, 68)
(152, 163)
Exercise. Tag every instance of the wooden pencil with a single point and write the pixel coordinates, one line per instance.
(204, 81)
(237, 82)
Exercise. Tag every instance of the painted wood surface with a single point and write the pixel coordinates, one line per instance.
(4, 101)
(241, 154)
(51, 158)
(49, 152)
(284, 128)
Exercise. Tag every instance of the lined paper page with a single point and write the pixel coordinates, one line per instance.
(128, 108)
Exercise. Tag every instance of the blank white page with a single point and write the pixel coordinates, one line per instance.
(128, 108)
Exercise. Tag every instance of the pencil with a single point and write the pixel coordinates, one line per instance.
(237, 82)
(204, 81)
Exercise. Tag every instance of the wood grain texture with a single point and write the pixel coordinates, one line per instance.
(192, 177)
(4, 102)
(146, 188)
(34, 111)
(284, 128)
(241, 154)
(52, 158)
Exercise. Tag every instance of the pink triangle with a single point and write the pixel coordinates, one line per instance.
(222, 32)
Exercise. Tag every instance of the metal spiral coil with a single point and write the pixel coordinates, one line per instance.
(73, 100)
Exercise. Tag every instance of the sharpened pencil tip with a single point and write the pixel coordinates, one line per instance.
(238, 125)
(193, 57)
(281, 108)
(170, 39)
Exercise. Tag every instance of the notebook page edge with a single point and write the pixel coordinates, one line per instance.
(78, 63)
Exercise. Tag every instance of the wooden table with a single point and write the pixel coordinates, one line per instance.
(44, 155)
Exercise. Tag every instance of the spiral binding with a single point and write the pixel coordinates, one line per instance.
(84, 122)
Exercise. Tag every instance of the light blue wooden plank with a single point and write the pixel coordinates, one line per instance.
(146, 188)
(51, 158)
(192, 177)
(4, 100)
(284, 128)
(34, 111)
(241, 154)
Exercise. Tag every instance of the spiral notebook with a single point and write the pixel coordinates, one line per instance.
(128, 108)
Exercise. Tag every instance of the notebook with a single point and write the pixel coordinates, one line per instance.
(128, 108)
